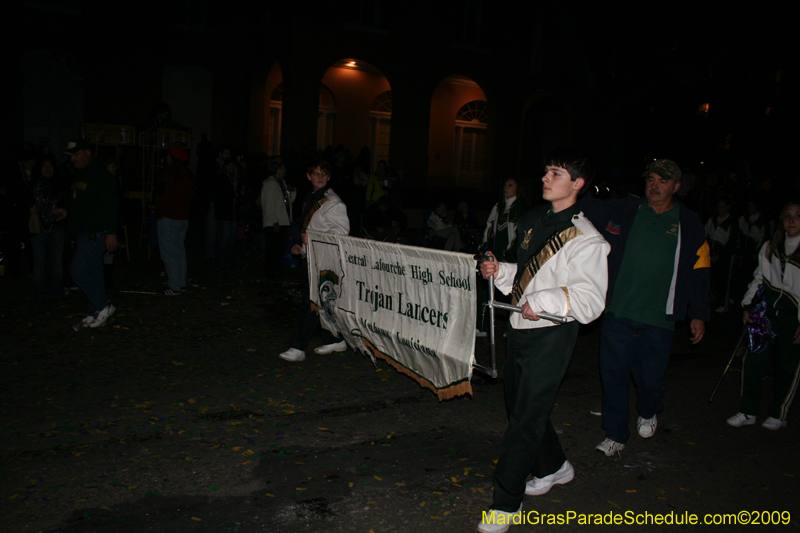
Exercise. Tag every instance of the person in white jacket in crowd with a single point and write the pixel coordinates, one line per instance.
(276, 214)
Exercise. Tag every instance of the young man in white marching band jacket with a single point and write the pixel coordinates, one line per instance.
(561, 269)
(323, 211)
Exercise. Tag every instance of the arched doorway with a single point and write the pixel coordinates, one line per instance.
(361, 114)
(457, 139)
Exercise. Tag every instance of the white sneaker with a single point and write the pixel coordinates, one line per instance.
(647, 427)
(102, 317)
(721, 309)
(494, 521)
(84, 322)
(610, 447)
(538, 486)
(293, 355)
(336, 347)
(740, 419)
(772, 423)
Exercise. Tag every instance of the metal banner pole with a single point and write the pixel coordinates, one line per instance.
(517, 309)
(735, 351)
(492, 346)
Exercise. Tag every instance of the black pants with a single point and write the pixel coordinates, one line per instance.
(307, 321)
(536, 362)
(274, 244)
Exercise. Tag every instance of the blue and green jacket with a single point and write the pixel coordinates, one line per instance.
(689, 290)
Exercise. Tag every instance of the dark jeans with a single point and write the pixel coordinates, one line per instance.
(48, 245)
(536, 362)
(211, 233)
(631, 348)
(172, 245)
(226, 237)
(87, 270)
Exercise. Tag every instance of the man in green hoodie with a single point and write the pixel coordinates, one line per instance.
(93, 218)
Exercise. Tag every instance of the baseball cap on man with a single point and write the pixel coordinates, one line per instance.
(75, 146)
(665, 168)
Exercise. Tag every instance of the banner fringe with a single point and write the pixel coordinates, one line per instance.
(453, 391)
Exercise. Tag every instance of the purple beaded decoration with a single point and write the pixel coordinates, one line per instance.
(760, 332)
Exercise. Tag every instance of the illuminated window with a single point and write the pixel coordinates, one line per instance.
(380, 116)
(470, 142)
(473, 112)
(275, 117)
(326, 118)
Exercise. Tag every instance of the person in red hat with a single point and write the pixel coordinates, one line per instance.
(173, 196)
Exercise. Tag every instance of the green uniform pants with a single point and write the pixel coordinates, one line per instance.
(787, 370)
(536, 362)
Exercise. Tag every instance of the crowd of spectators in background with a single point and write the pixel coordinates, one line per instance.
(245, 210)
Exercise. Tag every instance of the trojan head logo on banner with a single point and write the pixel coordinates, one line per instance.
(328, 292)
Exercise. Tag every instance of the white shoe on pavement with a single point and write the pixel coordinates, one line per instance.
(102, 317)
(647, 427)
(610, 447)
(495, 521)
(538, 486)
(336, 347)
(740, 419)
(84, 322)
(773, 423)
(293, 355)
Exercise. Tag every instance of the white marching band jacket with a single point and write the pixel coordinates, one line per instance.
(768, 271)
(331, 217)
(572, 283)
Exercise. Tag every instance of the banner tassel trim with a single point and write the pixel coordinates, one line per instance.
(452, 391)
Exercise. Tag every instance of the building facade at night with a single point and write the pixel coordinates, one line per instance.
(456, 94)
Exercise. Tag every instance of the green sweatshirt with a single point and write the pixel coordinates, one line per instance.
(93, 204)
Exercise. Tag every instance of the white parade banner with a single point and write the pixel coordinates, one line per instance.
(413, 307)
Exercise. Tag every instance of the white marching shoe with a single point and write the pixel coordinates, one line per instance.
(293, 355)
(538, 486)
(336, 347)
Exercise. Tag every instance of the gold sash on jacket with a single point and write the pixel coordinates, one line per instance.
(307, 219)
(551, 247)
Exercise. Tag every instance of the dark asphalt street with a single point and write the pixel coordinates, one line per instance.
(179, 416)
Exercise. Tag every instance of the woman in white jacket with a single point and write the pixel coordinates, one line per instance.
(276, 216)
(779, 270)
